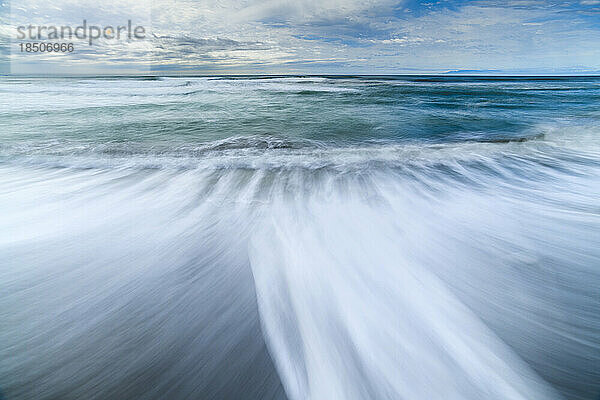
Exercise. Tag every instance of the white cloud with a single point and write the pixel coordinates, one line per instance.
(344, 36)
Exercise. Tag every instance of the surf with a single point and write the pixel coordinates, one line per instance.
(402, 248)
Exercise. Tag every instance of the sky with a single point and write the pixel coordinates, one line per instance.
(313, 37)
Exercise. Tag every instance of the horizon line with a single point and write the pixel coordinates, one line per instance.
(456, 75)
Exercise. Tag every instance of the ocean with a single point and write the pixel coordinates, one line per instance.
(393, 237)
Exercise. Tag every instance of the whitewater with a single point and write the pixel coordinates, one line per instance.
(300, 238)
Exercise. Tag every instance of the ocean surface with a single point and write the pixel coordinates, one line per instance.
(300, 237)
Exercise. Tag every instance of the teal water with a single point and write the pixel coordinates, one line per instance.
(300, 237)
(183, 115)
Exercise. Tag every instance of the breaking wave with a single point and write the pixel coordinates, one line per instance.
(263, 266)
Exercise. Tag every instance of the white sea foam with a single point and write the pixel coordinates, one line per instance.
(370, 285)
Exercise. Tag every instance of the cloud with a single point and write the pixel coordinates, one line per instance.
(195, 44)
(336, 36)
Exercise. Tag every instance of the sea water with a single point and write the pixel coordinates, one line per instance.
(300, 237)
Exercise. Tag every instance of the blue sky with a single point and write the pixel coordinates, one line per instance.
(312, 37)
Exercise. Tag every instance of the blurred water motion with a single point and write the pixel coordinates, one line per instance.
(300, 238)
